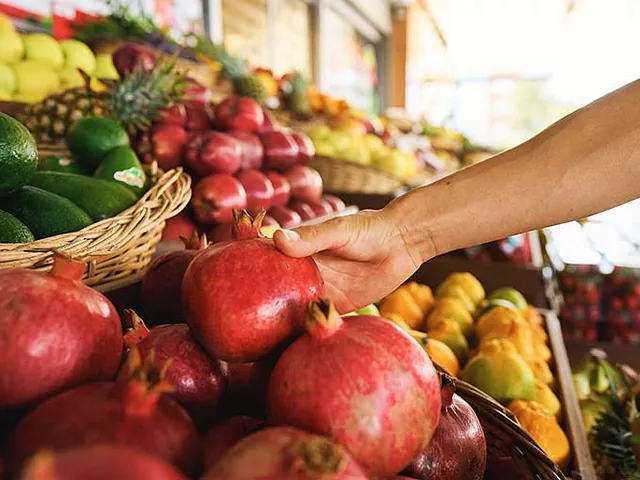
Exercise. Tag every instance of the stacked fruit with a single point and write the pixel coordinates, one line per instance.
(582, 290)
(498, 344)
(622, 295)
(35, 65)
(328, 397)
(54, 195)
(240, 159)
(609, 402)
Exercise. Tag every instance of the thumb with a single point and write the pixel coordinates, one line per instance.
(307, 241)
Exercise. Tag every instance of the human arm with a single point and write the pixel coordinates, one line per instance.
(586, 163)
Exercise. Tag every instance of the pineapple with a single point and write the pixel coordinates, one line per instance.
(135, 101)
(250, 86)
(297, 98)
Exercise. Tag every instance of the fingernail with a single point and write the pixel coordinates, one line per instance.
(290, 235)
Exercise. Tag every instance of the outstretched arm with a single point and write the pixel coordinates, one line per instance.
(586, 163)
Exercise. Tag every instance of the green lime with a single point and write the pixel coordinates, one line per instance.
(122, 165)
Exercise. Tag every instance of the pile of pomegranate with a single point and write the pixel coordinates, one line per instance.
(239, 157)
(242, 371)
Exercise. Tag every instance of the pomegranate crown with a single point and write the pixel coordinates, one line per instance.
(245, 227)
(66, 267)
(136, 331)
(196, 242)
(315, 456)
(322, 319)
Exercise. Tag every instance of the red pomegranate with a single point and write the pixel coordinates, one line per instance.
(248, 383)
(379, 395)
(99, 462)
(162, 282)
(336, 203)
(286, 217)
(225, 435)
(55, 333)
(306, 149)
(458, 448)
(198, 379)
(281, 189)
(223, 232)
(306, 183)
(303, 209)
(214, 198)
(285, 453)
(251, 147)
(179, 226)
(133, 411)
(209, 153)
(269, 221)
(259, 190)
(244, 298)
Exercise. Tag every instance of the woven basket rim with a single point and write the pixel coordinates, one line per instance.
(366, 168)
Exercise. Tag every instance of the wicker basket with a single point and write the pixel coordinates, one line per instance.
(341, 176)
(115, 248)
(511, 451)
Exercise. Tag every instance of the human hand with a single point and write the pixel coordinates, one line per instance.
(362, 257)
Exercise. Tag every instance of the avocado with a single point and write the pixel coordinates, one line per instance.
(121, 165)
(99, 198)
(18, 155)
(54, 163)
(91, 138)
(45, 214)
(13, 230)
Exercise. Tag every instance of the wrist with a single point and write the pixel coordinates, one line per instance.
(413, 229)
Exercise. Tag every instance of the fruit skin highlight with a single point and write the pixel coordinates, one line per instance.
(244, 298)
(379, 395)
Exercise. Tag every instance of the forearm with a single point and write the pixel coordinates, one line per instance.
(585, 163)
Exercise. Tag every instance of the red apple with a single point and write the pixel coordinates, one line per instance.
(336, 203)
(320, 207)
(280, 150)
(174, 115)
(306, 150)
(179, 226)
(306, 183)
(303, 209)
(198, 117)
(268, 220)
(281, 188)
(215, 197)
(212, 152)
(131, 57)
(285, 217)
(222, 232)
(166, 145)
(259, 190)
(252, 151)
(239, 113)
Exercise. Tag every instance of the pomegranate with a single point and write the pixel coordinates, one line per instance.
(245, 298)
(215, 197)
(196, 92)
(239, 113)
(174, 115)
(198, 117)
(336, 203)
(132, 411)
(198, 379)
(131, 57)
(225, 435)
(281, 189)
(248, 384)
(212, 152)
(99, 462)
(306, 183)
(280, 150)
(379, 396)
(268, 220)
(285, 453)
(303, 209)
(320, 207)
(251, 147)
(259, 190)
(163, 280)
(285, 217)
(269, 121)
(164, 143)
(306, 150)
(55, 333)
(179, 226)
(458, 448)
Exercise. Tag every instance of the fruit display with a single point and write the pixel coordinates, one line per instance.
(496, 342)
(227, 387)
(609, 402)
(35, 65)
